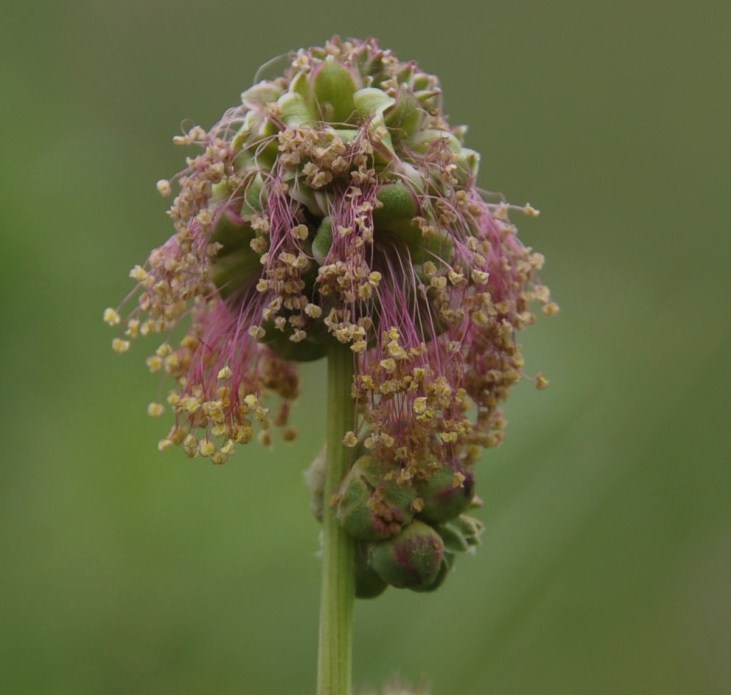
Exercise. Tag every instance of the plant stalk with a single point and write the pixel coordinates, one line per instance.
(335, 656)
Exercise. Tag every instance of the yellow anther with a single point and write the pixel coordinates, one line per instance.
(365, 291)
(350, 440)
(119, 345)
(541, 382)
(300, 232)
(420, 405)
(455, 278)
(155, 409)
(387, 440)
(189, 403)
(163, 187)
(164, 444)
(388, 364)
(225, 373)
(480, 276)
(258, 245)
(111, 317)
(206, 447)
(396, 351)
(138, 273)
(429, 269)
(375, 278)
(313, 311)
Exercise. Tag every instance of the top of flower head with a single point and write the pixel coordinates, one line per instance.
(337, 203)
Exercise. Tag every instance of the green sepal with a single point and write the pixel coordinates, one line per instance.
(295, 111)
(255, 194)
(333, 87)
(462, 534)
(424, 139)
(260, 94)
(323, 240)
(231, 236)
(405, 117)
(230, 272)
(300, 84)
(468, 165)
(312, 348)
(250, 124)
(371, 101)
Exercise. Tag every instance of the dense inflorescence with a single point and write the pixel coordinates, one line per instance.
(336, 203)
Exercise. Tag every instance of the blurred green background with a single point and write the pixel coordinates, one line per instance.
(606, 565)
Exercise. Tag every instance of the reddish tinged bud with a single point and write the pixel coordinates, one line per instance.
(446, 494)
(413, 559)
(372, 505)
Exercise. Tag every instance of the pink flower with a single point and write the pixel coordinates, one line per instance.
(336, 203)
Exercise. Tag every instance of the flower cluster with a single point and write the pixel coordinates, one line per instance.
(336, 203)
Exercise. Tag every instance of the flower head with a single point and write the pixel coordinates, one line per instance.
(337, 203)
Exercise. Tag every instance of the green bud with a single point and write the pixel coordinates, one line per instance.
(333, 87)
(413, 559)
(368, 583)
(444, 496)
(371, 506)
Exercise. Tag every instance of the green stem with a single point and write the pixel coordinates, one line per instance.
(338, 580)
